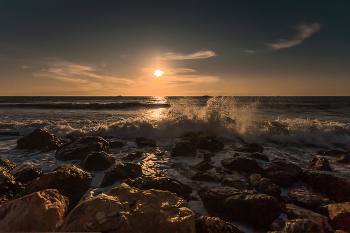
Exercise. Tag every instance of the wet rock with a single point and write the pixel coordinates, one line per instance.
(7, 164)
(161, 183)
(184, 149)
(69, 180)
(207, 156)
(319, 163)
(127, 209)
(81, 147)
(143, 142)
(335, 152)
(183, 170)
(208, 177)
(339, 215)
(121, 172)
(211, 144)
(251, 148)
(39, 211)
(344, 159)
(264, 185)
(159, 153)
(26, 174)
(206, 224)
(242, 164)
(115, 144)
(98, 161)
(334, 185)
(306, 198)
(295, 212)
(260, 156)
(283, 173)
(39, 140)
(237, 181)
(302, 226)
(134, 155)
(9, 187)
(202, 166)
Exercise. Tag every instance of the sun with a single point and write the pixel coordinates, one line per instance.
(158, 73)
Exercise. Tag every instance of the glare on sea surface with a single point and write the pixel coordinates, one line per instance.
(158, 73)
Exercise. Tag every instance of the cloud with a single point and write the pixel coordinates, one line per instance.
(304, 32)
(251, 51)
(197, 55)
(26, 67)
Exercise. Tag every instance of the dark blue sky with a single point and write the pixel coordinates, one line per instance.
(86, 47)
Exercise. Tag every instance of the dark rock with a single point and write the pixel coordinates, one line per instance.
(81, 147)
(208, 176)
(334, 185)
(211, 144)
(196, 137)
(206, 224)
(207, 156)
(306, 198)
(260, 156)
(120, 172)
(7, 164)
(27, 174)
(202, 166)
(344, 159)
(98, 161)
(251, 148)
(161, 183)
(236, 155)
(72, 136)
(237, 181)
(9, 133)
(254, 179)
(283, 173)
(266, 186)
(8, 185)
(184, 149)
(39, 140)
(115, 144)
(319, 163)
(142, 142)
(69, 180)
(339, 215)
(159, 153)
(335, 152)
(242, 164)
(302, 226)
(295, 212)
(134, 155)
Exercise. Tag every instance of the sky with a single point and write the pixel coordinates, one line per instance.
(236, 48)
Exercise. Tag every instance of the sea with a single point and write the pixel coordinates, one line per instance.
(293, 128)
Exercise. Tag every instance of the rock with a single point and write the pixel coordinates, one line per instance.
(334, 185)
(254, 179)
(134, 155)
(251, 148)
(81, 147)
(335, 152)
(184, 149)
(319, 163)
(142, 142)
(207, 156)
(208, 177)
(242, 164)
(98, 161)
(39, 140)
(120, 172)
(159, 153)
(115, 144)
(344, 159)
(69, 180)
(295, 212)
(339, 215)
(283, 173)
(306, 198)
(260, 156)
(27, 174)
(302, 226)
(127, 209)
(202, 166)
(211, 144)
(237, 181)
(206, 224)
(161, 183)
(8, 185)
(39, 211)
(264, 185)
(257, 210)
(7, 164)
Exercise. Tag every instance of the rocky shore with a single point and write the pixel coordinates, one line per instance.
(248, 189)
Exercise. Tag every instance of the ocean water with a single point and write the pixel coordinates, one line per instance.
(293, 128)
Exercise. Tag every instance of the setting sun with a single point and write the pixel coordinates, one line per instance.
(158, 73)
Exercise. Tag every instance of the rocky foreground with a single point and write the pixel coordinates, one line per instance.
(250, 193)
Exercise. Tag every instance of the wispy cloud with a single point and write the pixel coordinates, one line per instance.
(179, 56)
(26, 67)
(251, 51)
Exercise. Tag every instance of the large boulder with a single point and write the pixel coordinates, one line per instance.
(127, 209)
(7, 164)
(206, 224)
(39, 140)
(8, 185)
(295, 212)
(319, 163)
(69, 180)
(184, 149)
(242, 164)
(251, 148)
(260, 156)
(237, 181)
(208, 176)
(161, 183)
(40, 211)
(98, 161)
(143, 142)
(334, 185)
(283, 173)
(264, 185)
(302, 226)
(121, 172)
(211, 144)
(81, 147)
(339, 215)
(116, 143)
(26, 174)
